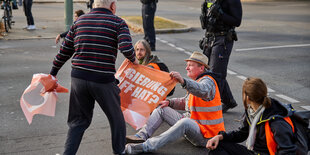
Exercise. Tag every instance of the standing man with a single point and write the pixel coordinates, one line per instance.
(202, 120)
(93, 41)
(219, 18)
(27, 9)
(148, 14)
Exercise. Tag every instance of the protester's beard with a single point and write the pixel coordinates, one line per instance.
(140, 57)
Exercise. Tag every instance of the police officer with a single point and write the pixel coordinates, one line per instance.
(148, 14)
(219, 18)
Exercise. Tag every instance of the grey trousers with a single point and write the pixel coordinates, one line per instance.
(179, 127)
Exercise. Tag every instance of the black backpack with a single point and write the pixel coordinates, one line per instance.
(300, 121)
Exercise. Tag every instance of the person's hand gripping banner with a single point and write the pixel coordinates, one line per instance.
(141, 90)
(40, 96)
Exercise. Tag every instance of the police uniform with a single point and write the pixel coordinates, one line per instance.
(219, 18)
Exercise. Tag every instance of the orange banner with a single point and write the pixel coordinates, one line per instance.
(142, 88)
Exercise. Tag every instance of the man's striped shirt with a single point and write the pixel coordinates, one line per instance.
(92, 42)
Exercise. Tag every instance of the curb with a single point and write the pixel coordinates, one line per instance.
(172, 30)
(84, 1)
(139, 29)
(58, 1)
(29, 38)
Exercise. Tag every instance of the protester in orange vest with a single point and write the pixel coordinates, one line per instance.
(202, 120)
(261, 112)
(145, 57)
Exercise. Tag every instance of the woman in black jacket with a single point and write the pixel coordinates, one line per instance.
(259, 109)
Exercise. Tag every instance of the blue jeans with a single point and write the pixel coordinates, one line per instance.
(28, 13)
(179, 127)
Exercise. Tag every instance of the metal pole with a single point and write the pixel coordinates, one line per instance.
(68, 14)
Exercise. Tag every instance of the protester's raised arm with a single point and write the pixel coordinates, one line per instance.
(177, 76)
(204, 89)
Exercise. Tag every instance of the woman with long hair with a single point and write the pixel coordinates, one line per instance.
(265, 126)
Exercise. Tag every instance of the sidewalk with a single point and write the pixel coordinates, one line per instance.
(49, 20)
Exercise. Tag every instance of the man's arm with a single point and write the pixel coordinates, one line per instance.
(125, 42)
(177, 103)
(234, 15)
(65, 53)
(204, 89)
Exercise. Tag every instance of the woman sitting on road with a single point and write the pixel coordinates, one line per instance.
(264, 127)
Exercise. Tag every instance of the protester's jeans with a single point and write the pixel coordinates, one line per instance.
(28, 13)
(82, 99)
(180, 127)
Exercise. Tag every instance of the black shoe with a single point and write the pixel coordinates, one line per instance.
(153, 48)
(226, 107)
(15, 7)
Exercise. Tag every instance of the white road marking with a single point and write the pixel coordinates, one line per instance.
(287, 98)
(306, 107)
(270, 90)
(188, 53)
(231, 72)
(180, 49)
(243, 77)
(172, 45)
(164, 41)
(272, 47)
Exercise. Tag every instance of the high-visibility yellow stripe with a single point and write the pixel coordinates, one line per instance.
(209, 4)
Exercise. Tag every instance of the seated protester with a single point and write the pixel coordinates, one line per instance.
(202, 120)
(264, 129)
(143, 54)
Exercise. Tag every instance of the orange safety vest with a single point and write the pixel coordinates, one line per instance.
(271, 143)
(154, 65)
(207, 114)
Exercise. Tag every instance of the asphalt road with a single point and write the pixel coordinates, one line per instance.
(273, 44)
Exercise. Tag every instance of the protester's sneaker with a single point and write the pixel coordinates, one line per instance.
(226, 107)
(134, 148)
(31, 27)
(134, 139)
